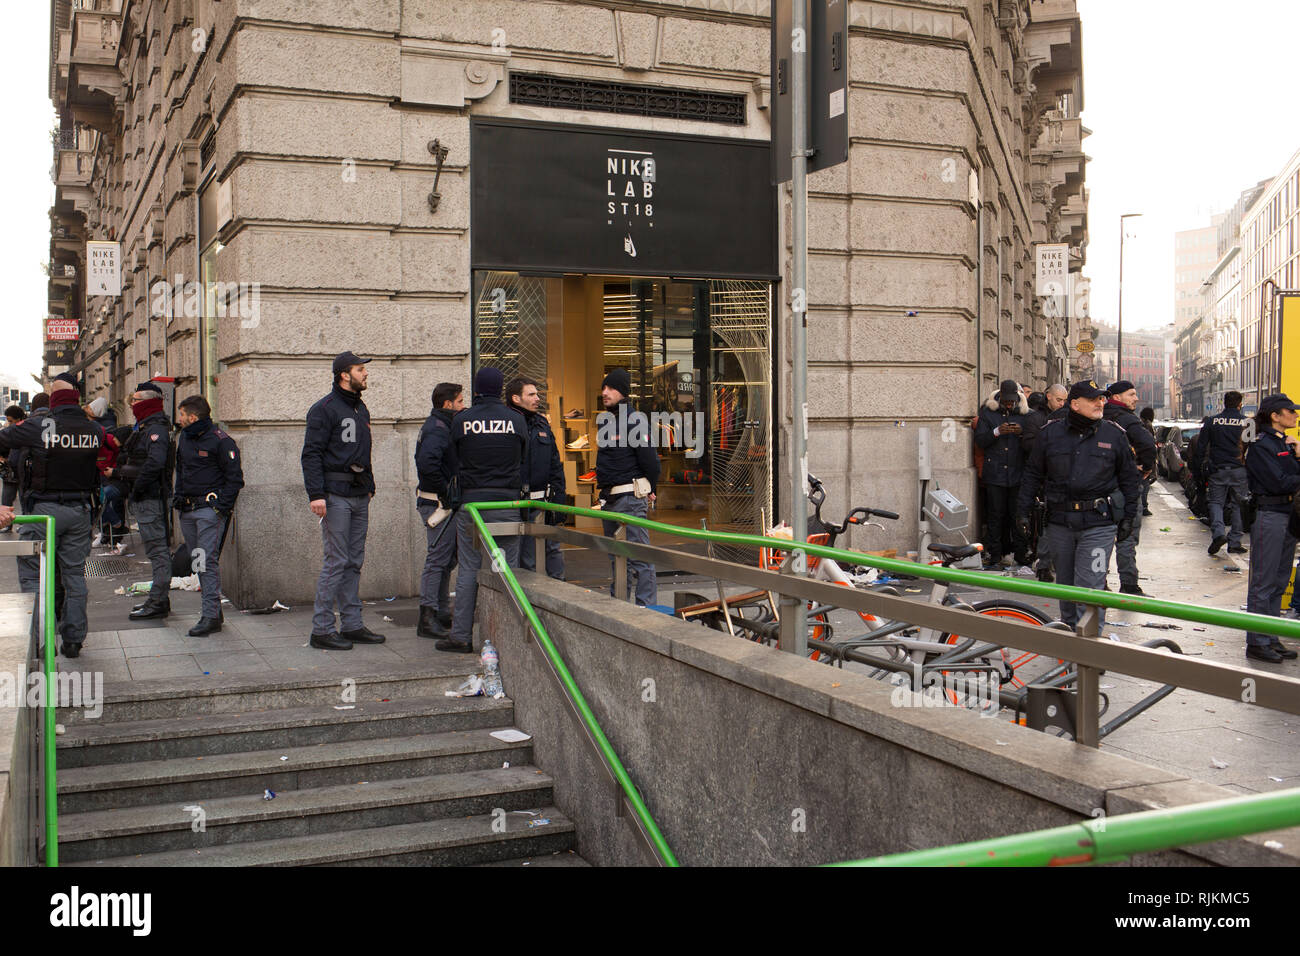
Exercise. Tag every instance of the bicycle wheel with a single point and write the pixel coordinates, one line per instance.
(1024, 666)
(820, 628)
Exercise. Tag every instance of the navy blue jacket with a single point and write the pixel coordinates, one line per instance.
(207, 460)
(623, 451)
(149, 459)
(491, 447)
(1073, 461)
(1272, 469)
(1139, 437)
(67, 464)
(1219, 443)
(545, 470)
(435, 459)
(1004, 454)
(337, 437)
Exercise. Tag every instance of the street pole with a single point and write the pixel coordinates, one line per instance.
(799, 308)
(1119, 337)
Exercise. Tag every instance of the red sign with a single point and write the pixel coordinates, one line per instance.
(57, 330)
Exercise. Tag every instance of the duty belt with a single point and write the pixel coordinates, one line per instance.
(1094, 504)
(62, 497)
(536, 495)
(618, 490)
(186, 503)
(345, 475)
(428, 496)
(1274, 499)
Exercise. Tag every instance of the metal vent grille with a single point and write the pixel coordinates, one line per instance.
(573, 93)
(107, 567)
(510, 315)
(741, 405)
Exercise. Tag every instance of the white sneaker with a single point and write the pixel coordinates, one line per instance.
(98, 540)
(578, 444)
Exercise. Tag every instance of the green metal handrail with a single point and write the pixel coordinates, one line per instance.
(620, 773)
(1114, 839)
(51, 778)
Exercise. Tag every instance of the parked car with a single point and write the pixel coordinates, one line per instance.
(1171, 446)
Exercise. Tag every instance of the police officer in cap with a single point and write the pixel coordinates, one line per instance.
(208, 479)
(62, 449)
(1121, 401)
(336, 472)
(491, 447)
(545, 480)
(1274, 476)
(150, 462)
(627, 473)
(435, 464)
(1219, 449)
(1077, 465)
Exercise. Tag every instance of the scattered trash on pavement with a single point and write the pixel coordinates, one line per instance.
(1218, 764)
(1273, 844)
(345, 706)
(1276, 779)
(1232, 569)
(388, 619)
(393, 598)
(268, 794)
(473, 687)
(1121, 623)
(1166, 529)
(511, 736)
(1162, 627)
(283, 757)
(273, 609)
(539, 822)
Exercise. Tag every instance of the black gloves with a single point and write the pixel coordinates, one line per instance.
(1022, 526)
(1124, 529)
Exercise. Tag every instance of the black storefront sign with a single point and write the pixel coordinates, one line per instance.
(556, 198)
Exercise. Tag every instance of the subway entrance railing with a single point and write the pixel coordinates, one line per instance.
(1091, 653)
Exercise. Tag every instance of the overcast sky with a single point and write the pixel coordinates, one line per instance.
(1189, 101)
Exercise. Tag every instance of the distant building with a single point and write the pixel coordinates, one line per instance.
(1143, 363)
(1270, 261)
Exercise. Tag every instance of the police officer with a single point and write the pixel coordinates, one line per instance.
(150, 462)
(61, 480)
(1219, 450)
(340, 484)
(208, 479)
(1122, 399)
(491, 446)
(627, 474)
(546, 480)
(435, 463)
(1002, 423)
(1077, 466)
(1274, 477)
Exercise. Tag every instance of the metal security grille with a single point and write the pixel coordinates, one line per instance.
(572, 93)
(510, 316)
(106, 567)
(207, 150)
(740, 408)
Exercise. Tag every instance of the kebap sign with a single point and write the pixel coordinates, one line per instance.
(558, 198)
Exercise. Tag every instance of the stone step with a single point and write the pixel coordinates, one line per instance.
(186, 780)
(92, 743)
(552, 859)
(446, 842)
(239, 693)
(250, 818)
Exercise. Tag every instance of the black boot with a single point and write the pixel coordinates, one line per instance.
(456, 647)
(362, 635)
(74, 650)
(152, 609)
(206, 626)
(429, 625)
(330, 642)
(444, 618)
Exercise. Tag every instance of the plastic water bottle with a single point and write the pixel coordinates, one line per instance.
(491, 670)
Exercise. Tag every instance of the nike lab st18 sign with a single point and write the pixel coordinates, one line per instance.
(557, 198)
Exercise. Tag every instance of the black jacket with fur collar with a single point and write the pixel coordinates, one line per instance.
(1004, 455)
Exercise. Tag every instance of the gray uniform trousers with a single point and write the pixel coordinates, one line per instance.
(471, 559)
(1126, 550)
(647, 586)
(1228, 487)
(343, 533)
(204, 530)
(151, 518)
(1272, 555)
(439, 556)
(1082, 557)
(71, 548)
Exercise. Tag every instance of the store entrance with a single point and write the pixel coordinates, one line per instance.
(700, 359)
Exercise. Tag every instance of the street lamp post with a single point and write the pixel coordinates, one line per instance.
(1119, 336)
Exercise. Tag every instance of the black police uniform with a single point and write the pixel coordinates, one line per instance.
(545, 482)
(1076, 467)
(435, 464)
(1143, 444)
(1003, 465)
(1274, 476)
(208, 479)
(336, 468)
(491, 446)
(150, 464)
(60, 479)
(624, 454)
(1219, 453)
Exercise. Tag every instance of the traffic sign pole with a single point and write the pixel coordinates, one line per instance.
(799, 306)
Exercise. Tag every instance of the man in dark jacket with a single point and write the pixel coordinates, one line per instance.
(1056, 407)
(999, 431)
(1121, 401)
(435, 464)
(491, 446)
(339, 481)
(545, 479)
(1077, 467)
(150, 462)
(1219, 448)
(208, 479)
(627, 474)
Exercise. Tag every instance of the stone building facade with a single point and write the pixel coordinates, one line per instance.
(289, 179)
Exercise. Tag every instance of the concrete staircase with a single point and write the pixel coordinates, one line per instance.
(396, 773)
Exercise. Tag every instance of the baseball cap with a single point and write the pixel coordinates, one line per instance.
(1276, 403)
(1009, 392)
(1087, 389)
(345, 360)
